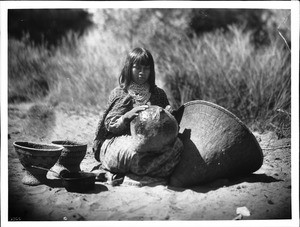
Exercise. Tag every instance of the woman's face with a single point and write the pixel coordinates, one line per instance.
(140, 73)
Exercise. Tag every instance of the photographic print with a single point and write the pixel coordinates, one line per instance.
(148, 111)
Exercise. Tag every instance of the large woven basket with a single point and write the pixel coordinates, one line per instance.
(217, 144)
(39, 155)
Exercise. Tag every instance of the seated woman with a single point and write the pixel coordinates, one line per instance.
(118, 151)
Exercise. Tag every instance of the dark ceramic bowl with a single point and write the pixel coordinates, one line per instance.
(78, 182)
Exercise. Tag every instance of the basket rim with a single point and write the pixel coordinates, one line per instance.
(18, 144)
(83, 175)
(216, 106)
(224, 110)
(73, 143)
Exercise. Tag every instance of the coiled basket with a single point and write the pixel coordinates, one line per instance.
(36, 154)
(71, 156)
(217, 144)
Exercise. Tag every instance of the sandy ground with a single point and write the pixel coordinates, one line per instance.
(266, 193)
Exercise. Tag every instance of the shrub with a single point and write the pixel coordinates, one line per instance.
(47, 26)
(221, 66)
(27, 67)
(226, 69)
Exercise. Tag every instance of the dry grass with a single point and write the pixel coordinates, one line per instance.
(229, 71)
(221, 67)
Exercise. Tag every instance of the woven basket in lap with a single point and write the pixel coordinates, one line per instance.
(154, 128)
(216, 145)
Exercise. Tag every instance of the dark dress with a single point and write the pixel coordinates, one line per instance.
(118, 151)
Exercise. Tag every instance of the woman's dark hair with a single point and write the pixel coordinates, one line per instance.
(139, 56)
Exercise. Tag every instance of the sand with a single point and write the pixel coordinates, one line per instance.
(265, 193)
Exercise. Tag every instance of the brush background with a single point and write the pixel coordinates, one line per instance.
(237, 58)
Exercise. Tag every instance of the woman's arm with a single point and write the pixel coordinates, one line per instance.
(119, 123)
(115, 124)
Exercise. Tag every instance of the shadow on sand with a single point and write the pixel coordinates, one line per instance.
(57, 183)
(219, 183)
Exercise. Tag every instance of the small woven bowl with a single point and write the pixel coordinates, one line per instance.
(71, 156)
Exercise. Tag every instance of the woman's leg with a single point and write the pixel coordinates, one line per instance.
(116, 153)
(121, 155)
(157, 164)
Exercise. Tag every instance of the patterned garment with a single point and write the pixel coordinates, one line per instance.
(120, 102)
(140, 93)
(119, 153)
(157, 164)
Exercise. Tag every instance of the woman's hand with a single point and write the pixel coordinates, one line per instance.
(169, 108)
(134, 112)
